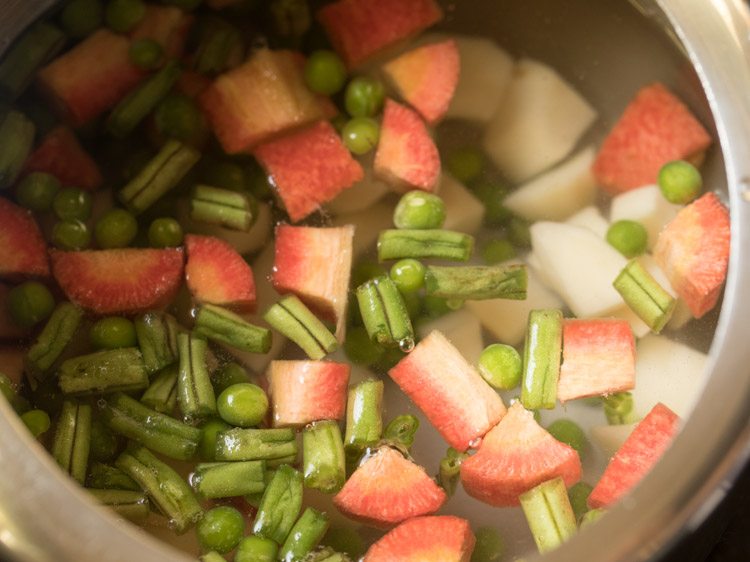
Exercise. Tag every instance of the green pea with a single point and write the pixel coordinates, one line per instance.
(29, 303)
(591, 516)
(435, 307)
(361, 134)
(325, 72)
(498, 251)
(7, 389)
(220, 529)
(146, 54)
(413, 303)
(116, 229)
(165, 232)
(80, 18)
(37, 191)
(178, 117)
(229, 374)
(71, 235)
(242, 404)
(256, 549)
(519, 233)
(489, 546)
(104, 443)
(364, 97)
(579, 494)
(260, 184)
(419, 210)
(113, 332)
(122, 15)
(71, 203)
(37, 421)
(360, 349)
(209, 433)
(226, 175)
(570, 433)
(339, 122)
(465, 164)
(345, 539)
(500, 365)
(408, 275)
(492, 195)
(628, 237)
(680, 182)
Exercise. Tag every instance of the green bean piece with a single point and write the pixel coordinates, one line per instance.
(139, 103)
(290, 18)
(161, 394)
(70, 447)
(280, 505)
(489, 546)
(364, 421)
(326, 554)
(219, 44)
(384, 313)
(417, 210)
(241, 444)
(53, 339)
(162, 173)
(128, 504)
(80, 18)
(466, 164)
(501, 366)
(420, 244)
(323, 456)
(36, 421)
(222, 207)
(195, 394)
(228, 479)
(228, 375)
(178, 117)
(680, 182)
(549, 514)
(645, 296)
(401, 430)
(591, 516)
(212, 556)
(37, 191)
(16, 141)
(450, 470)
(106, 371)
(29, 303)
(221, 325)
(293, 319)
(108, 477)
(104, 443)
(164, 487)
(579, 494)
(477, 282)
(256, 549)
(158, 432)
(210, 430)
(220, 529)
(146, 54)
(497, 251)
(305, 535)
(35, 47)
(157, 340)
(541, 359)
(619, 408)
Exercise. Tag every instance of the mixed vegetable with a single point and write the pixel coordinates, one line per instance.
(199, 330)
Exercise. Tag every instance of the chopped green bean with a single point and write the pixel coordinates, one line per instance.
(619, 408)
(158, 432)
(549, 514)
(195, 394)
(541, 359)
(104, 476)
(104, 443)
(364, 422)
(256, 549)
(477, 282)
(645, 296)
(219, 43)
(128, 504)
(384, 313)
(498, 251)
(222, 207)
(401, 430)
(54, 338)
(293, 319)
(323, 456)
(305, 535)
(579, 494)
(103, 372)
(164, 487)
(419, 244)
(450, 470)
(16, 140)
(240, 444)
(210, 431)
(36, 46)
(591, 516)
(226, 327)
(228, 479)
(280, 506)
(70, 447)
(161, 394)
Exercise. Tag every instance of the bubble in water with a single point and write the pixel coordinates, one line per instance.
(474, 443)
(406, 345)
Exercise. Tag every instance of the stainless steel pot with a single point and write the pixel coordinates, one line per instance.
(608, 48)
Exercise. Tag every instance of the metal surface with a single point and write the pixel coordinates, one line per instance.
(44, 516)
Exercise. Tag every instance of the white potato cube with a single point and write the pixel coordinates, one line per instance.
(463, 211)
(361, 195)
(590, 218)
(463, 330)
(538, 123)
(557, 193)
(609, 438)
(369, 223)
(580, 267)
